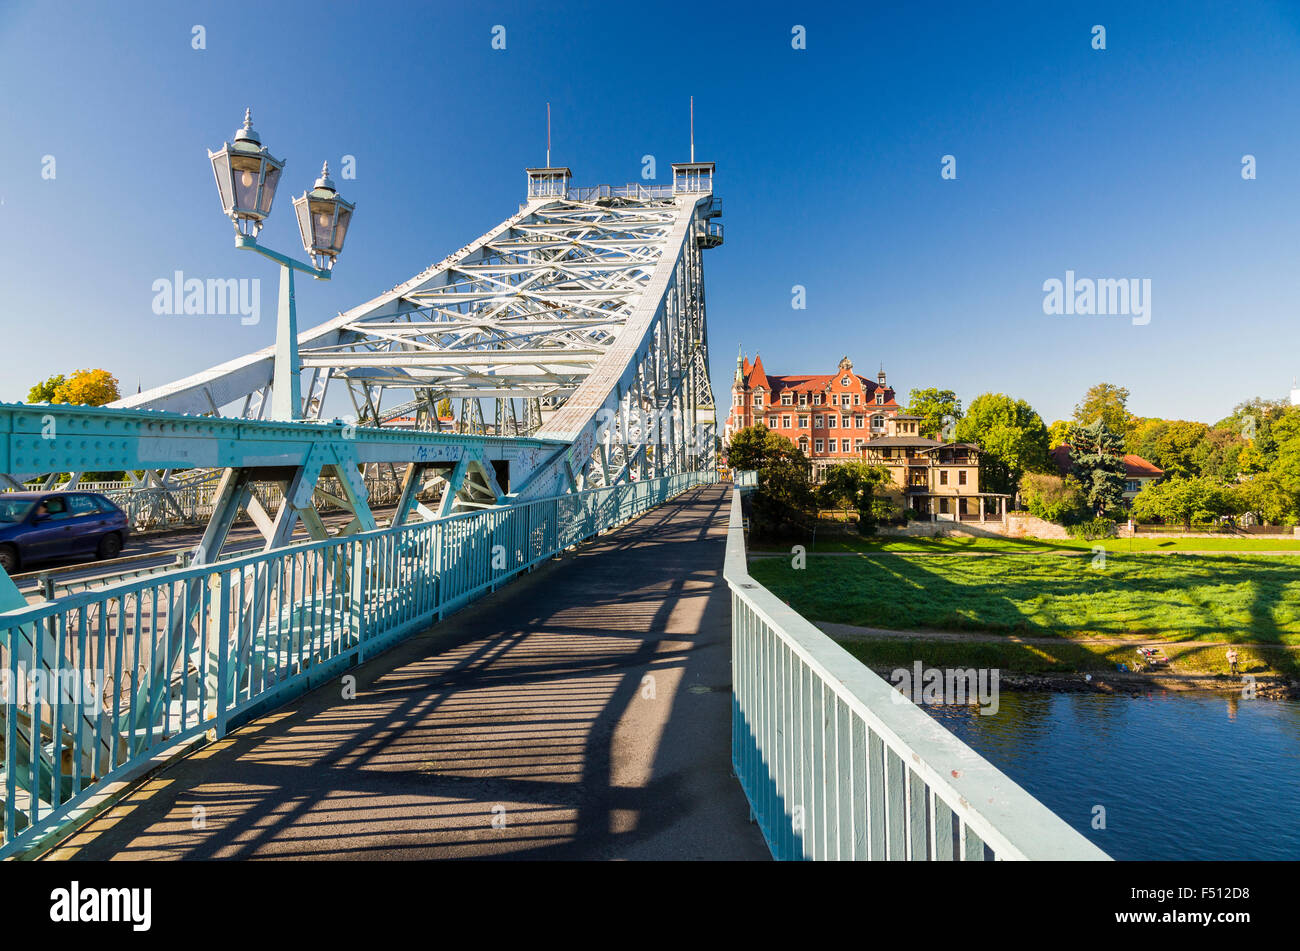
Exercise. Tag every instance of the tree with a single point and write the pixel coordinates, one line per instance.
(1253, 420)
(1175, 448)
(1284, 466)
(1058, 433)
(1141, 439)
(854, 484)
(1184, 500)
(1097, 462)
(44, 391)
(752, 446)
(1218, 455)
(1106, 403)
(935, 407)
(784, 497)
(444, 408)
(87, 388)
(1262, 496)
(1011, 437)
(1052, 498)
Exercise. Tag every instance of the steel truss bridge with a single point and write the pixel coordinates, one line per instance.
(571, 338)
(572, 341)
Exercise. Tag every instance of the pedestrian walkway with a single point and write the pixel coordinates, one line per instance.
(581, 712)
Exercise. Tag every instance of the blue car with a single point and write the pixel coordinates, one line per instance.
(35, 526)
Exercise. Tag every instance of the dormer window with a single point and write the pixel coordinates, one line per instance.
(880, 399)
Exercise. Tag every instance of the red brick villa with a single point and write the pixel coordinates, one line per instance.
(842, 416)
(831, 416)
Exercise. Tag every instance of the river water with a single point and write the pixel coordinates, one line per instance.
(1181, 776)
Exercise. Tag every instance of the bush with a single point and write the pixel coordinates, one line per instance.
(883, 510)
(910, 515)
(1052, 498)
(1093, 530)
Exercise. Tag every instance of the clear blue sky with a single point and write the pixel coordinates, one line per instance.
(1117, 163)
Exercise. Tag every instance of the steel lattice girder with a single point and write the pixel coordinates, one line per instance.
(591, 312)
(575, 305)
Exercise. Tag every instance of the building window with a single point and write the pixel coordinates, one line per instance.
(787, 399)
(803, 422)
(758, 399)
(844, 445)
(803, 444)
(844, 421)
(961, 477)
(817, 445)
(878, 423)
(844, 381)
(817, 399)
(857, 398)
(943, 476)
(1131, 485)
(738, 399)
(803, 399)
(880, 399)
(818, 422)
(771, 422)
(785, 422)
(830, 421)
(859, 422)
(859, 445)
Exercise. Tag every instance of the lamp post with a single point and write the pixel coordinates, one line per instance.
(247, 176)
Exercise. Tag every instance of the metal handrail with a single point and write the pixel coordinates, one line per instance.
(836, 764)
(169, 657)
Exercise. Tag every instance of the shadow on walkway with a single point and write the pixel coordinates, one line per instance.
(582, 712)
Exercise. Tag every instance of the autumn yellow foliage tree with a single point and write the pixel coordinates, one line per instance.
(85, 388)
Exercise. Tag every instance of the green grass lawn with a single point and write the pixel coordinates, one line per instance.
(1187, 598)
(829, 544)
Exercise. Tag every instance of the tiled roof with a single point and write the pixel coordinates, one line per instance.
(754, 376)
(1135, 467)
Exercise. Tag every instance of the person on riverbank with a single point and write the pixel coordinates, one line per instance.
(1232, 660)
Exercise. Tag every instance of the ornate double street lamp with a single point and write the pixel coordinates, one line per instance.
(247, 175)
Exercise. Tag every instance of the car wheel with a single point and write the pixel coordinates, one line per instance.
(9, 558)
(109, 546)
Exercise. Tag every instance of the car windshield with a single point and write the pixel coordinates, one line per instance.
(14, 510)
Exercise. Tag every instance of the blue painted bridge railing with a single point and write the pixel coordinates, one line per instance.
(835, 767)
(99, 685)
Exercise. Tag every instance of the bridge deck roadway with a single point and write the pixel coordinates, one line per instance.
(526, 726)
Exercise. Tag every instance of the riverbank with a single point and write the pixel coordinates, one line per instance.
(1265, 687)
(1069, 665)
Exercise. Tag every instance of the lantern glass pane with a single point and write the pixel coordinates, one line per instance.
(322, 224)
(303, 213)
(246, 171)
(341, 228)
(268, 188)
(221, 168)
